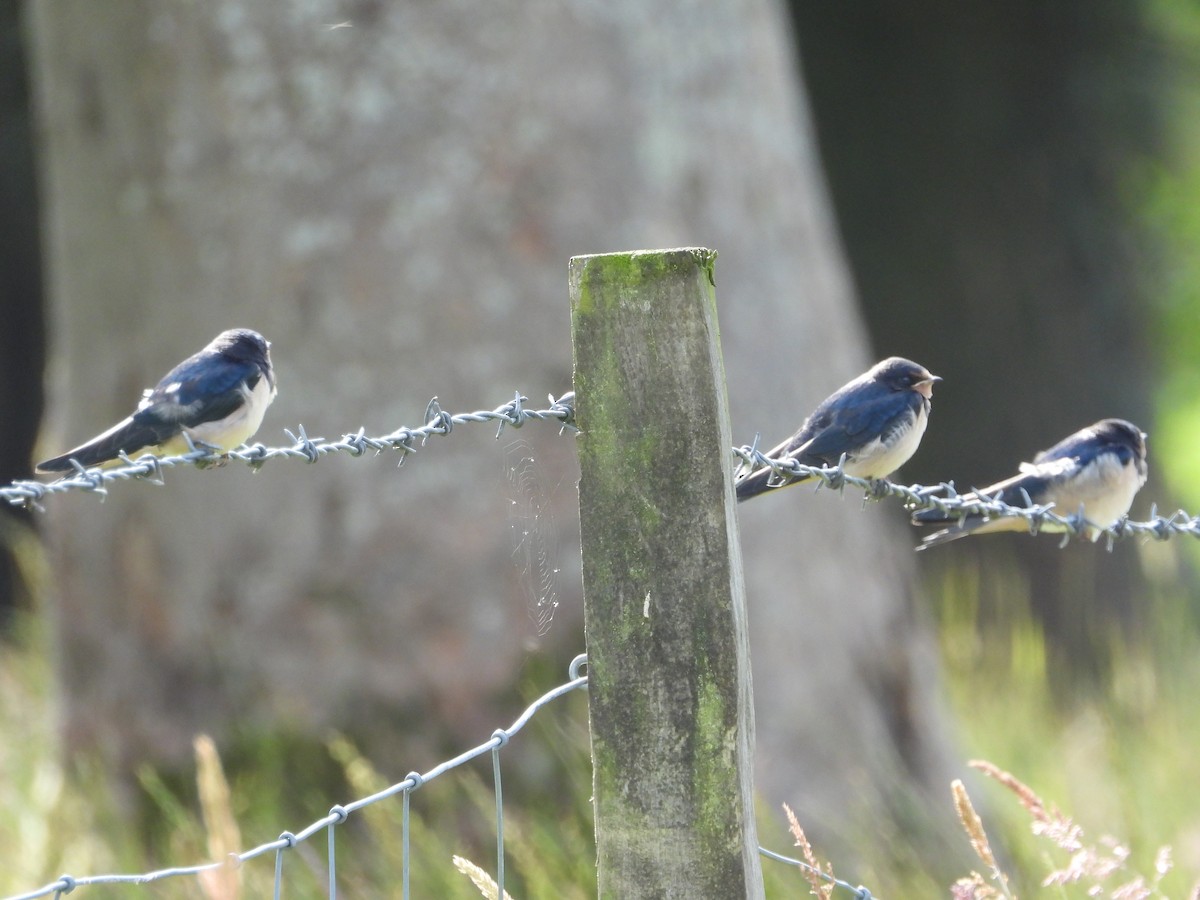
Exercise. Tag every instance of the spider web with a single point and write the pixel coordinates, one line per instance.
(533, 533)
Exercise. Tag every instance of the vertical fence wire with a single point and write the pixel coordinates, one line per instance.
(499, 817)
(286, 836)
(404, 842)
(332, 862)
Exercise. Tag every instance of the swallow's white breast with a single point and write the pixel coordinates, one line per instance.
(242, 424)
(879, 460)
(1105, 489)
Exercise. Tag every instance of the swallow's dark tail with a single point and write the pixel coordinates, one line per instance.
(128, 436)
(934, 517)
(946, 535)
(761, 482)
(752, 485)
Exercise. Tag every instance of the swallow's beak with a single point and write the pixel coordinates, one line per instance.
(925, 385)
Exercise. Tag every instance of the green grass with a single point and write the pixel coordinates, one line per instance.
(51, 824)
(1119, 759)
(37, 806)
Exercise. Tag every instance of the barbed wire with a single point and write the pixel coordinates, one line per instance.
(148, 467)
(65, 884)
(943, 496)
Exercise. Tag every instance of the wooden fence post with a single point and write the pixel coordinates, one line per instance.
(668, 663)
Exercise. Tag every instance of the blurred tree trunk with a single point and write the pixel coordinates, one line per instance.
(22, 337)
(983, 160)
(393, 203)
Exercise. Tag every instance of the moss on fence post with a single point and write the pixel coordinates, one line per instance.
(668, 665)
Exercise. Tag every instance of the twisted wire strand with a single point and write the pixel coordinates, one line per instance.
(945, 498)
(859, 891)
(405, 440)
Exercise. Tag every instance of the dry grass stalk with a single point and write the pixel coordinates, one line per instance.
(973, 826)
(482, 880)
(1091, 864)
(974, 888)
(820, 887)
(224, 837)
(1030, 800)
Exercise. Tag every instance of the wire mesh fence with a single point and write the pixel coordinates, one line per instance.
(407, 441)
(340, 813)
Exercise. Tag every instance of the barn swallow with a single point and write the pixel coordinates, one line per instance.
(876, 421)
(216, 397)
(1096, 471)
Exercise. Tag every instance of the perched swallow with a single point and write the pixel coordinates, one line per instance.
(1098, 470)
(217, 397)
(876, 420)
